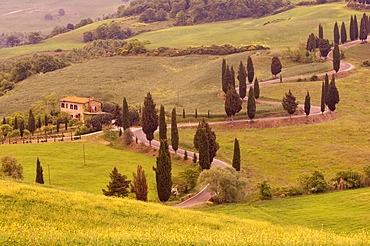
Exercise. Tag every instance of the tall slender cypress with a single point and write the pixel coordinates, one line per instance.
(31, 122)
(250, 70)
(242, 77)
(236, 155)
(204, 157)
(323, 97)
(39, 172)
(223, 71)
(163, 172)
(307, 104)
(174, 131)
(162, 124)
(233, 103)
(336, 33)
(343, 33)
(232, 76)
(333, 95)
(363, 29)
(149, 119)
(256, 87)
(352, 29)
(289, 103)
(336, 58)
(139, 184)
(227, 79)
(326, 87)
(125, 115)
(251, 105)
(321, 31)
(15, 123)
(213, 145)
(355, 26)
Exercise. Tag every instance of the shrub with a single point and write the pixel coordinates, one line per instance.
(11, 168)
(348, 180)
(314, 78)
(186, 180)
(82, 130)
(289, 191)
(265, 191)
(127, 136)
(314, 183)
(366, 63)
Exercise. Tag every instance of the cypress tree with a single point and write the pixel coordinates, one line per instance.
(352, 29)
(233, 103)
(307, 104)
(333, 95)
(213, 145)
(183, 113)
(125, 115)
(250, 70)
(289, 103)
(185, 155)
(321, 31)
(242, 77)
(39, 172)
(256, 87)
(149, 120)
(118, 186)
(39, 124)
(139, 185)
(336, 58)
(195, 158)
(363, 29)
(162, 124)
(204, 158)
(311, 43)
(355, 26)
(31, 122)
(227, 79)
(323, 97)
(251, 105)
(4, 121)
(232, 76)
(117, 116)
(326, 87)
(343, 33)
(336, 33)
(21, 127)
(163, 172)
(46, 121)
(15, 123)
(196, 113)
(236, 155)
(174, 131)
(275, 66)
(324, 47)
(66, 123)
(223, 73)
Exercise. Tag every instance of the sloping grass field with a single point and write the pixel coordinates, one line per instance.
(37, 215)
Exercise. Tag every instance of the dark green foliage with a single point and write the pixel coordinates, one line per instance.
(174, 132)
(149, 120)
(289, 103)
(314, 183)
(233, 103)
(223, 73)
(355, 26)
(163, 172)
(326, 87)
(10, 167)
(348, 180)
(336, 58)
(98, 121)
(352, 29)
(251, 105)
(139, 185)
(236, 155)
(66, 123)
(307, 104)
(204, 158)
(15, 123)
(118, 186)
(321, 31)
(39, 172)
(183, 113)
(185, 155)
(343, 33)
(276, 65)
(162, 124)
(232, 76)
(250, 69)
(265, 191)
(336, 34)
(195, 113)
(324, 47)
(256, 87)
(84, 22)
(213, 145)
(31, 122)
(127, 136)
(46, 121)
(227, 79)
(323, 98)
(242, 77)
(333, 95)
(186, 180)
(311, 43)
(125, 115)
(363, 29)
(195, 158)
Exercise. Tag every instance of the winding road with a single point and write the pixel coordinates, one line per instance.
(203, 195)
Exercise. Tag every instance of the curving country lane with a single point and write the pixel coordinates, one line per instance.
(203, 195)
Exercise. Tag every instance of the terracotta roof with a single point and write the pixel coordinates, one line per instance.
(77, 99)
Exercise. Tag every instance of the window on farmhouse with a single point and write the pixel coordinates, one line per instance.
(71, 107)
(75, 107)
(62, 105)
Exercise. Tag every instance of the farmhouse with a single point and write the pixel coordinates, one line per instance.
(80, 108)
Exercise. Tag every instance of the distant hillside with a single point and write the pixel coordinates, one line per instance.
(35, 214)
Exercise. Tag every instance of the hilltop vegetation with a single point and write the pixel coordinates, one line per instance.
(53, 216)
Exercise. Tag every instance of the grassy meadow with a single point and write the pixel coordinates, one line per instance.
(66, 164)
(38, 215)
(28, 16)
(338, 212)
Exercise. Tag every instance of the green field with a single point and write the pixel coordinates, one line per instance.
(37, 215)
(27, 16)
(65, 161)
(339, 212)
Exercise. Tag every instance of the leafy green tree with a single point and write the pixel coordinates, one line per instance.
(256, 87)
(314, 183)
(174, 131)
(233, 103)
(186, 180)
(149, 119)
(336, 58)
(39, 172)
(13, 40)
(5, 129)
(99, 121)
(163, 172)
(224, 183)
(250, 70)
(125, 115)
(31, 122)
(34, 37)
(118, 186)
(21, 70)
(11, 168)
(139, 185)
(242, 77)
(213, 145)
(321, 32)
(251, 105)
(307, 104)
(275, 66)
(343, 33)
(204, 157)
(181, 18)
(289, 103)
(336, 34)
(265, 191)
(333, 95)
(323, 97)
(236, 155)
(162, 124)
(324, 47)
